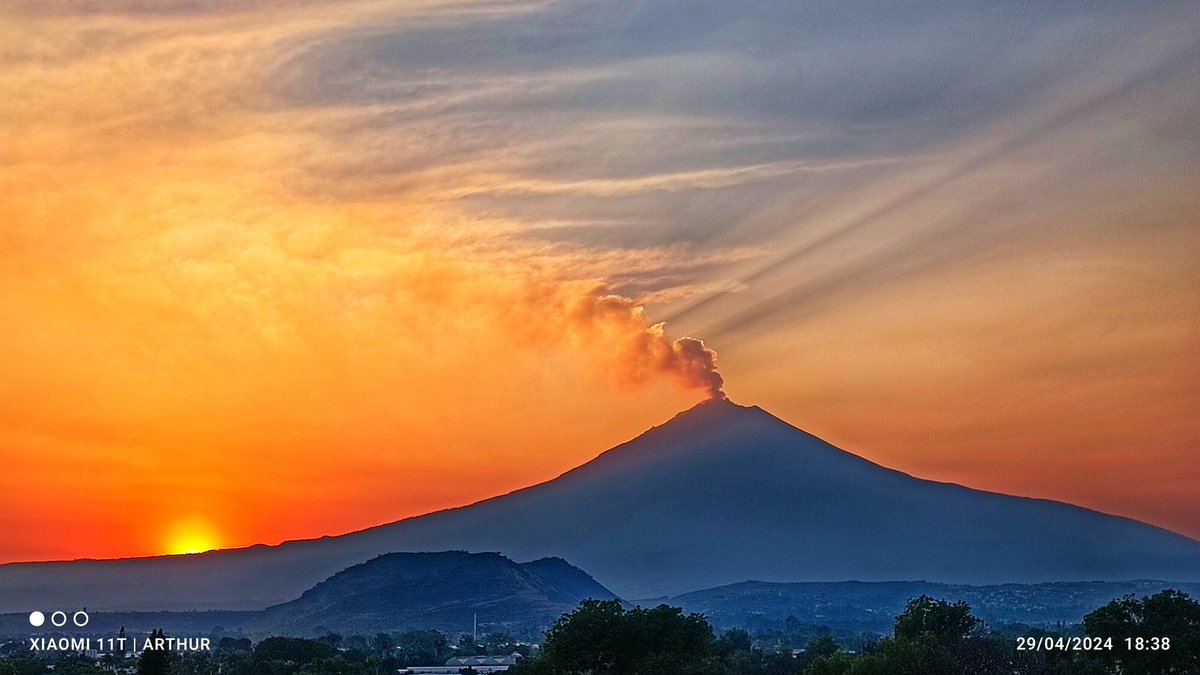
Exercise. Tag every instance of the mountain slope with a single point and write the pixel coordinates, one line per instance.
(720, 494)
(444, 591)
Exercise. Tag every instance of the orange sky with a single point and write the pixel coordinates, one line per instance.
(275, 270)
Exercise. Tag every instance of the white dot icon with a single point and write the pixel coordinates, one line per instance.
(36, 619)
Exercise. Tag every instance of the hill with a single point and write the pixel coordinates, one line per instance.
(441, 591)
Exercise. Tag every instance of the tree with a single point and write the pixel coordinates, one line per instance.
(383, 645)
(230, 645)
(357, 643)
(937, 620)
(154, 661)
(292, 650)
(76, 664)
(1169, 614)
(601, 638)
(335, 665)
(935, 637)
(842, 663)
(822, 645)
(586, 640)
(332, 639)
(417, 648)
(735, 640)
(499, 644)
(23, 664)
(467, 646)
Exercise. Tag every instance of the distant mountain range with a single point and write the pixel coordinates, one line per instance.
(855, 606)
(720, 494)
(449, 591)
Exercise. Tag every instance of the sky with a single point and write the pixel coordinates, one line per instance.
(276, 269)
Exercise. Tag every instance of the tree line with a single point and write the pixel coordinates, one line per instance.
(332, 654)
(930, 637)
(1153, 635)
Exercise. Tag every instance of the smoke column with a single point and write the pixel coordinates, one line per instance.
(642, 349)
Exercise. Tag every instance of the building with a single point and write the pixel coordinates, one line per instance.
(456, 665)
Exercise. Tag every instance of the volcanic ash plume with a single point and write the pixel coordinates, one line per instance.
(697, 365)
(642, 349)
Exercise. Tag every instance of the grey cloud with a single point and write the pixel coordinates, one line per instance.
(896, 261)
(573, 94)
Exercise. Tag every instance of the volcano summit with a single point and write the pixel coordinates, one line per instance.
(720, 494)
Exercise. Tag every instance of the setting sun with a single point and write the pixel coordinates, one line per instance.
(191, 536)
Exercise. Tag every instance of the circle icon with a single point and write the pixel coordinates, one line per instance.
(59, 619)
(36, 619)
(80, 618)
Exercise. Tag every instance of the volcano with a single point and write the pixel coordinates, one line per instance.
(720, 494)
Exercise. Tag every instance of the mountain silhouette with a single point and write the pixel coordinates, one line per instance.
(444, 591)
(720, 494)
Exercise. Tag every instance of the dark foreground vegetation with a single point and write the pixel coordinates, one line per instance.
(332, 654)
(930, 637)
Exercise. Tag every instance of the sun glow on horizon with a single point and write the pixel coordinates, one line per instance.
(186, 537)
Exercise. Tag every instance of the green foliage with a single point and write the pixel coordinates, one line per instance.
(931, 637)
(502, 644)
(357, 643)
(467, 646)
(292, 650)
(422, 647)
(228, 645)
(1168, 614)
(332, 639)
(938, 621)
(154, 661)
(382, 645)
(335, 665)
(587, 640)
(842, 663)
(24, 664)
(735, 640)
(823, 645)
(77, 665)
(602, 638)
